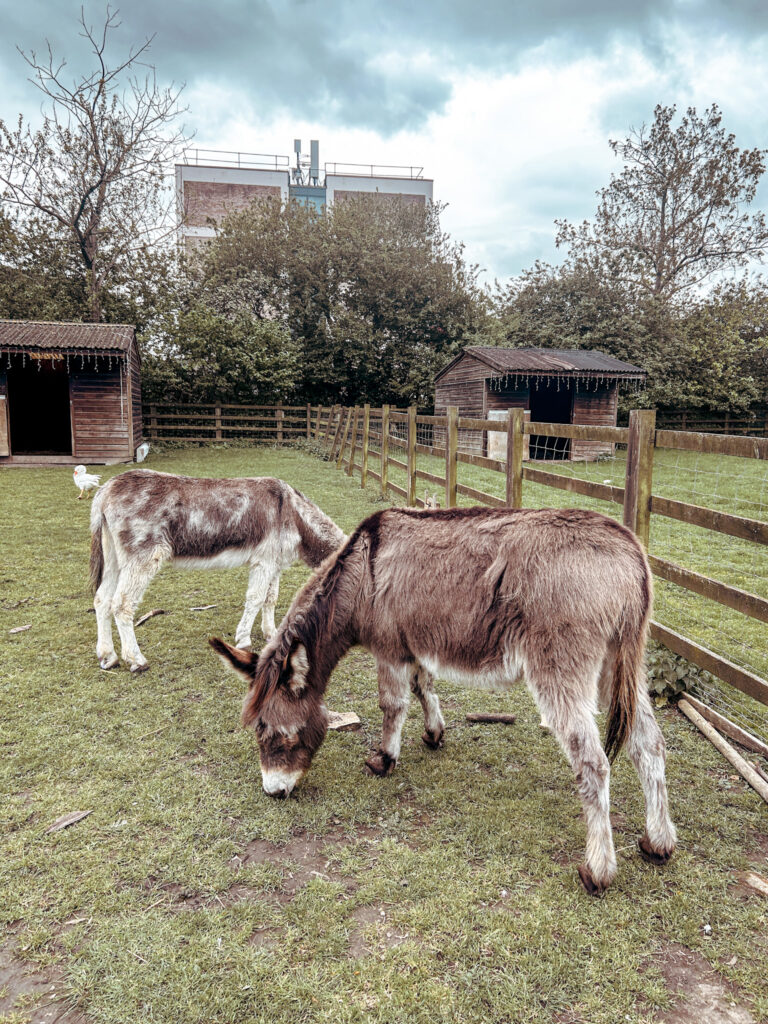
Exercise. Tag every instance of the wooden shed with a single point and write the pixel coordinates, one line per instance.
(554, 386)
(69, 393)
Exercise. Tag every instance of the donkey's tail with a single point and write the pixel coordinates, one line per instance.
(628, 674)
(97, 546)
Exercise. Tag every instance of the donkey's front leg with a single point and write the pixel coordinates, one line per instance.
(434, 724)
(258, 586)
(394, 698)
(268, 611)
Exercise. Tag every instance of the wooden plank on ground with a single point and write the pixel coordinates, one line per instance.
(725, 725)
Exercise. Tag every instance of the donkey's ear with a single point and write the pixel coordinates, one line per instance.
(242, 662)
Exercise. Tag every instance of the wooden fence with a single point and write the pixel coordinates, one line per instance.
(753, 422)
(370, 442)
(194, 422)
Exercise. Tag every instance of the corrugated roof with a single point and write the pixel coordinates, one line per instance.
(550, 360)
(43, 334)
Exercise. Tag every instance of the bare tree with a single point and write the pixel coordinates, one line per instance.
(676, 213)
(97, 166)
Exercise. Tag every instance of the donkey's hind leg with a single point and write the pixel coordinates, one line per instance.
(394, 698)
(135, 576)
(102, 604)
(434, 724)
(569, 710)
(646, 747)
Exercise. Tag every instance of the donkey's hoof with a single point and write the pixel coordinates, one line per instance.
(593, 887)
(109, 661)
(381, 764)
(647, 852)
(434, 740)
(139, 666)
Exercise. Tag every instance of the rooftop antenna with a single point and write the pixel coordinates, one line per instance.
(298, 174)
(314, 162)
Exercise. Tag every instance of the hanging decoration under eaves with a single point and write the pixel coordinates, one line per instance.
(588, 382)
(72, 361)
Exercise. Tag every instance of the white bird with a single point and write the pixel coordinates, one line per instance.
(84, 480)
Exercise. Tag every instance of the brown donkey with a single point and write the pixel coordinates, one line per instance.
(480, 596)
(141, 519)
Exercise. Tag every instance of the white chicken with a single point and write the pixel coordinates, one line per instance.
(84, 480)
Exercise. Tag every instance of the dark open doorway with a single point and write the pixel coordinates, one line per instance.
(550, 405)
(38, 408)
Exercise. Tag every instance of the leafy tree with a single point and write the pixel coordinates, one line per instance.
(94, 170)
(202, 356)
(676, 213)
(374, 294)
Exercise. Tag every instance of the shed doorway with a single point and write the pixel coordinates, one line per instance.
(38, 408)
(550, 404)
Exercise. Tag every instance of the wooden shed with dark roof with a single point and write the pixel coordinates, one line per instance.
(552, 385)
(69, 393)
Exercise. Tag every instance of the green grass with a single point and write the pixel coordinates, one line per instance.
(470, 852)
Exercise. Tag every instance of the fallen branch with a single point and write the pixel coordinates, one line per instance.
(20, 629)
(744, 768)
(202, 607)
(756, 882)
(149, 615)
(67, 819)
(492, 717)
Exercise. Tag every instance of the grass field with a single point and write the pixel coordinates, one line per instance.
(445, 893)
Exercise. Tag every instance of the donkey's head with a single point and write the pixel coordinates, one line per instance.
(285, 711)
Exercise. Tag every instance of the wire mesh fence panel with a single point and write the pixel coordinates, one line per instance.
(737, 489)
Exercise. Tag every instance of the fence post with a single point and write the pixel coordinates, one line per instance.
(340, 460)
(366, 435)
(351, 464)
(639, 479)
(279, 422)
(153, 422)
(515, 445)
(317, 422)
(331, 415)
(217, 421)
(411, 455)
(451, 454)
(337, 432)
(309, 422)
(384, 450)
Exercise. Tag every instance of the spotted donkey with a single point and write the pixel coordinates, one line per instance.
(141, 519)
(479, 596)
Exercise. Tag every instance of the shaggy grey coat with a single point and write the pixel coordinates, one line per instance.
(480, 596)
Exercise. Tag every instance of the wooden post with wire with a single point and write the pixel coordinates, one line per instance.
(352, 442)
(639, 477)
(515, 448)
(366, 436)
(340, 460)
(411, 499)
(451, 455)
(384, 449)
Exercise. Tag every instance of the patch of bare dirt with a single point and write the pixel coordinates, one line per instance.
(302, 858)
(702, 996)
(40, 995)
(371, 931)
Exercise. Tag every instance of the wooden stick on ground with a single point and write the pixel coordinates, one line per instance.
(744, 768)
(725, 725)
(479, 716)
(149, 615)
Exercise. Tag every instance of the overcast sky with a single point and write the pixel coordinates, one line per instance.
(508, 106)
